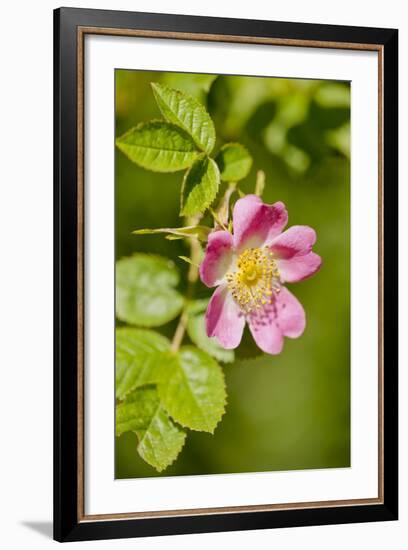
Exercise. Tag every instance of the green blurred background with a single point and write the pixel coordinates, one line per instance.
(284, 412)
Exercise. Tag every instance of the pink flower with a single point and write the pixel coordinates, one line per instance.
(249, 269)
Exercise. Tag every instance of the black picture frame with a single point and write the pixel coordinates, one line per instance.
(68, 525)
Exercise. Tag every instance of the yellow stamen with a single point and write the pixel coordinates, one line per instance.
(254, 280)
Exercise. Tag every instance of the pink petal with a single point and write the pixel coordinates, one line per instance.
(224, 319)
(256, 223)
(296, 240)
(217, 258)
(290, 315)
(293, 251)
(265, 331)
(285, 316)
(299, 268)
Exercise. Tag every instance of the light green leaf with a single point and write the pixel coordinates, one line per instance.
(200, 186)
(145, 293)
(188, 113)
(234, 162)
(192, 389)
(197, 333)
(158, 146)
(160, 440)
(138, 352)
(199, 231)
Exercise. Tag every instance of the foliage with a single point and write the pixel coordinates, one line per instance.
(185, 139)
(145, 293)
(186, 112)
(200, 186)
(234, 161)
(138, 357)
(160, 439)
(159, 146)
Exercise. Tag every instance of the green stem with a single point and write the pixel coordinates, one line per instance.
(221, 215)
(180, 331)
(192, 277)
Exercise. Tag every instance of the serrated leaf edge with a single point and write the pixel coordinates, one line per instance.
(138, 126)
(160, 406)
(156, 352)
(224, 404)
(155, 86)
(206, 204)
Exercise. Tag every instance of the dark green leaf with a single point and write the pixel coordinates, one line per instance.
(200, 186)
(158, 146)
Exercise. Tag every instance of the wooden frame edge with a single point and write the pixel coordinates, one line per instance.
(81, 32)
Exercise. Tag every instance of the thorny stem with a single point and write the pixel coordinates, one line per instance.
(192, 276)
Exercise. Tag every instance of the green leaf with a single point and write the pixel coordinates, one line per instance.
(138, 352)
(158, 146)
(234, 162)
(192, 389)
(188, 113)
(197, 333)
(145, 293)
(199, 231)
(200, 186)
(160, 440)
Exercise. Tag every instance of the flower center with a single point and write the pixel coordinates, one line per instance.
(254, 280)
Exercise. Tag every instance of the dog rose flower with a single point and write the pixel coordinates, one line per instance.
(249, 269)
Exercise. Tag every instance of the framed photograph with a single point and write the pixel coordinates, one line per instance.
(225, 274)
